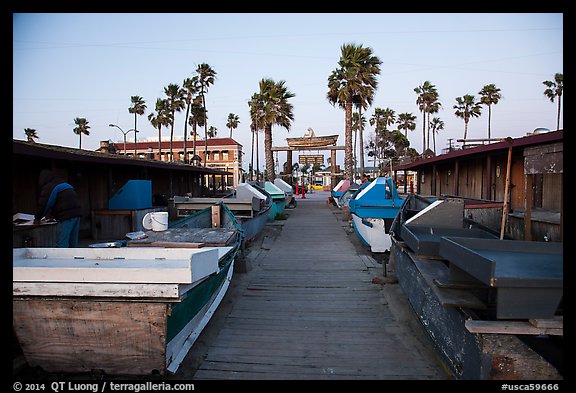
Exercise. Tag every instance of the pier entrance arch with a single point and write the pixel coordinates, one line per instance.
(309, 142)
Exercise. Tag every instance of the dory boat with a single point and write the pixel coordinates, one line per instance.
(133, 310)
(312, 141)
(250, 206)
(373, 210)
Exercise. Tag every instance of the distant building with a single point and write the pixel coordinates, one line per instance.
(223, 154)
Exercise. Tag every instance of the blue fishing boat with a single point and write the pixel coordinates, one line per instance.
(373, 210)
(350, 193)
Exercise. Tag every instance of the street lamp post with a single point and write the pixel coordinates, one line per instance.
(125, 133)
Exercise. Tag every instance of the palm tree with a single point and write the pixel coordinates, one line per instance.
(555, 89)
(30, 134)
(354, 80)
(175, 104)
(212, 132)
(427, 101)
(191, 87)
(406, 122)
(138, 108)
(362, 100)
(274, 109)
(256, 106)
(197, 117)
(206, 77)
(82, 127)
(466, 108)
(232, 122)
(161, 118)
(489, 95)
(436, 124)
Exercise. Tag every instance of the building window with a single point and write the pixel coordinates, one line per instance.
(225, 155)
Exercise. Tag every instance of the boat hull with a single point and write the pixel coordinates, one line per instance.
(317, 141)
(253, 226)
(124, 311)
(373, 232)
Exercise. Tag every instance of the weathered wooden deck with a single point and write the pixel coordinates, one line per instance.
(309, 310)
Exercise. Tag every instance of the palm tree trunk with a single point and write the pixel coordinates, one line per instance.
(257, 157)
(465, 132)
(268, 153)
(489, 117)
(186, 132)
(423, 131)
(434, 139)
(348, 143)
(361, 144)
(172, 135)
(194, 140)
(205, 129)
(252, 158)
(160, 143)
(428, 131)
(354, 153)
(135, 135)
(558, 121)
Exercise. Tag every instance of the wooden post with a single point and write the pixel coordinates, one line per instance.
(506, 189)
(332, 169)
(216, 216)
(528, 192)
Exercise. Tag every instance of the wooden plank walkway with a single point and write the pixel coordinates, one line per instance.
(310, 311)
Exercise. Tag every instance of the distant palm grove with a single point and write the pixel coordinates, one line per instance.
(351, 86)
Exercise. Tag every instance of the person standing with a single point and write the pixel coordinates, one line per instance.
(59, 200)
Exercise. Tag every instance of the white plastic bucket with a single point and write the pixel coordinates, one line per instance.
(157, 221)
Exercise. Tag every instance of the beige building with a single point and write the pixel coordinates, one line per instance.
(220, 153)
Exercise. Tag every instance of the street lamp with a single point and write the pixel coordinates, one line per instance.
(125, 133)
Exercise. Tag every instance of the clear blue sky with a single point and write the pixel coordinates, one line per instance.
(89, 65)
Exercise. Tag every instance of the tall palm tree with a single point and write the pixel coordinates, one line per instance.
(466, 108)
(489, 95)
(159, 119)
(190, 87)
(436, 124)
(138, 107)
(555, 89)
(427, 96)
(82, 127)
(353, 80)
(206, 77)
(31, 134)
(232, 122)
(406, 122)
(272, 104)
(256, 105)
(175, 104)
(433, 107)
(196, 119)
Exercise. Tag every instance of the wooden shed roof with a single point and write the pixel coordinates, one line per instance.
(529, 140)
(72, 154)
